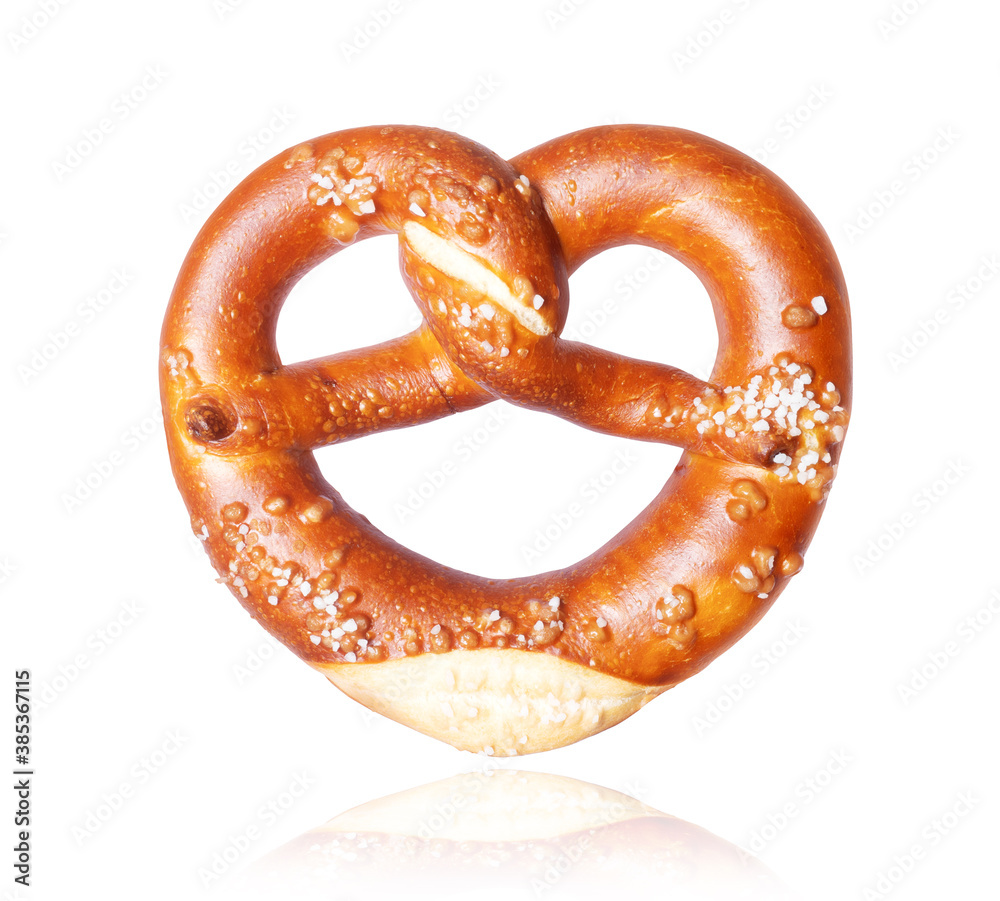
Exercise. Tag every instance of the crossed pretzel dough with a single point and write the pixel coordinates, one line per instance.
(509, 666)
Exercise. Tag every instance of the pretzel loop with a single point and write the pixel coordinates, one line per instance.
(319, 199)
(517, 665)
(698, 201)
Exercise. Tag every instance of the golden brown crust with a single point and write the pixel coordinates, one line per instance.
(485, 249)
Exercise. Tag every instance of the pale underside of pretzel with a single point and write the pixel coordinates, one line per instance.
(515, 665)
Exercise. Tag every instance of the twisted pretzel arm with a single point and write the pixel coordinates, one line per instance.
(315, 403)
(760, 253)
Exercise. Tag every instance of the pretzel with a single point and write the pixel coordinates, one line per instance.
(509, 666)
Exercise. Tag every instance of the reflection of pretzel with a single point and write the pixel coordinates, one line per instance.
(521, 665)
(564, 838)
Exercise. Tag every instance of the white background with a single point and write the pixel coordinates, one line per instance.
(110, 603)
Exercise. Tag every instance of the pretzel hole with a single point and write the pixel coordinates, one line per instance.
(354, 300)
(641, 302)
(208, 421)
(500, 492)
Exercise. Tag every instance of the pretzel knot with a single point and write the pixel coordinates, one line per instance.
(486, 248)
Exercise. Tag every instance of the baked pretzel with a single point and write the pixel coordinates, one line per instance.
(509, 666)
